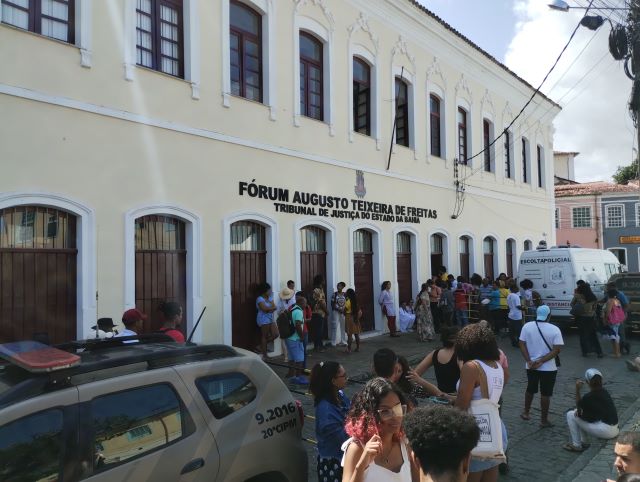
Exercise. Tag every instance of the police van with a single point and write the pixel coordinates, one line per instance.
(555, 271)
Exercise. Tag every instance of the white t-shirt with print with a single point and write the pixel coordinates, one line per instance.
(536, 346)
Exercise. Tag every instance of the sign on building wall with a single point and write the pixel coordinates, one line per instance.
(316, 204)
(629, 239)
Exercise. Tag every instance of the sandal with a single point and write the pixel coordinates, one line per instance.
(525, 416)
(572, 448)
(546, 424)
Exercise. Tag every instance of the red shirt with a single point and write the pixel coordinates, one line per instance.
(173, 333)
(460, 298)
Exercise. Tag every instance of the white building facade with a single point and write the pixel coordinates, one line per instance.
(189, 150)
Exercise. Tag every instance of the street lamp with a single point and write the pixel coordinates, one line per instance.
(563, 6)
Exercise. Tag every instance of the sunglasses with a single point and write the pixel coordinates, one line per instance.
(389, 413)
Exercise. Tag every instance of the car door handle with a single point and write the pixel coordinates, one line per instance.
(195, 464)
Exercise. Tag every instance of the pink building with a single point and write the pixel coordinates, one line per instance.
(578, 213)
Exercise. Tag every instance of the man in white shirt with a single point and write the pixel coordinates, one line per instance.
(540, 344)
(133, 324)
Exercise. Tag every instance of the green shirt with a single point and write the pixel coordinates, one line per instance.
(298, 317)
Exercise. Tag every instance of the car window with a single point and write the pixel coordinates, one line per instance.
(226, 393)
(132, 423)
(31, 448)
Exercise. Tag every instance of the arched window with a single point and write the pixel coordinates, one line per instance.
(526, 161)
(435, 118)
(402, 113)
(248, 269)
(465, 257)
(161, 266)
(313, 256)
(38, 267)
(489, 253)
(463, 136)
(437, 253)
(363, 275)
(510, 249)
(528, 245)
(487, 138)
(361, 96)
(311, 77)
(245, 29)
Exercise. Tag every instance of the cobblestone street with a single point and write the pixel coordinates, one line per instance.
(534, 453)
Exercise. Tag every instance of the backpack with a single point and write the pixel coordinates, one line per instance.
(617, 314)
(286, 326)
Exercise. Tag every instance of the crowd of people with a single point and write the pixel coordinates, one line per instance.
(400, 426)
(133, 320)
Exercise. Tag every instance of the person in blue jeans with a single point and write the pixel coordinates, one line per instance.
(331, 408)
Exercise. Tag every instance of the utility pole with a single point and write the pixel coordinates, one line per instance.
(633, 26)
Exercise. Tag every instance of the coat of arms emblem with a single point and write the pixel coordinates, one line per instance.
(360, 190)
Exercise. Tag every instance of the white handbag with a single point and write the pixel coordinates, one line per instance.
(487, 417)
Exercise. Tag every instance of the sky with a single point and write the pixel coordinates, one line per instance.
(588, 83)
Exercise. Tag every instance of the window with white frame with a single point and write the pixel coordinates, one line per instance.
(159, 36)
(487, 140)
(526, 162)
(615, 216)
(557, 218)
(508, 155)
(581, 217)
(51, 18)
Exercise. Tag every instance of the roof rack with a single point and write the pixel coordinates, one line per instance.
(94, 344)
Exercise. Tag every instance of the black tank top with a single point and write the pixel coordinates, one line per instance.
(447, 374)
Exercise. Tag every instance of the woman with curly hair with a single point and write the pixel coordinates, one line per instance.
(377, 449)
(477, 348)
(327, 381)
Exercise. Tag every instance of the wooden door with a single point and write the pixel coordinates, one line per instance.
(465, 270)
(313, 262)
(403, 262)
(38, 274)
(488, 258)
(363, 276)
(313, 257)
(161, 267)
(437, 257)
(509, 251)
(248, 270)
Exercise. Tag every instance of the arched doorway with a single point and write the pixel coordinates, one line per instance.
(160, 266)
(363, 275)
(38, 274)
(465, 256)
(437, 253)
(403, 270)
(248, 270)
(313, 257)
(510, 250)
(489, 249)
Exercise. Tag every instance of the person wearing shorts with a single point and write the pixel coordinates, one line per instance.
(295, 345)
(540, 344)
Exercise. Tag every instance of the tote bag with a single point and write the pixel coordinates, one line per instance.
(488, 419)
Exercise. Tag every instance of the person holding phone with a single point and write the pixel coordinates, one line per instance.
(377, 449)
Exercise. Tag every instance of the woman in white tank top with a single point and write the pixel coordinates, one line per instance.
(477, 347)
(377, 449)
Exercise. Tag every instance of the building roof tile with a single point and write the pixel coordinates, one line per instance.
(590, 188)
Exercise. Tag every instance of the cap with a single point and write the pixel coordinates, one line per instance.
(542, 313)
(133, 315)
(592, 372)
(286, 294)
(104, 323)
